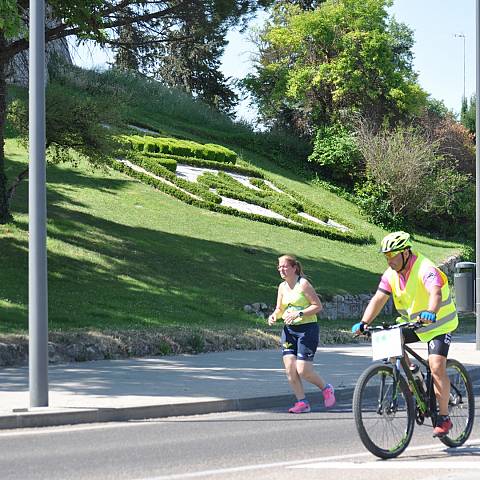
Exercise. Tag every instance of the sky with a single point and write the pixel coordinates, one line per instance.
(438, 53)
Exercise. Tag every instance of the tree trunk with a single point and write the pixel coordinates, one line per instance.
(5, 215)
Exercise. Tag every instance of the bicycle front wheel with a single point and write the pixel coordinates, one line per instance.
(461, 405)
(384, 411)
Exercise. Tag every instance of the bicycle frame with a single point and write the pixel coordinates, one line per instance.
(425, 400)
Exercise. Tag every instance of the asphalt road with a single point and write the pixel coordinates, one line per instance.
(262, 445)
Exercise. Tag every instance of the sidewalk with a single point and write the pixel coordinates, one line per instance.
(117, 390)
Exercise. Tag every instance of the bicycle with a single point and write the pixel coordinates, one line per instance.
(387, 404)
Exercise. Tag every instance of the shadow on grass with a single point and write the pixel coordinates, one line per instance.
(432, 242)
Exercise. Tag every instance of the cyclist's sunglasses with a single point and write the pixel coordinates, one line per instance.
(389, 255)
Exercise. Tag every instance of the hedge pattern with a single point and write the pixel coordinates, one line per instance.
(288, 203)
(153, 166)
(184, 148)
(198, 162)
(307, 227)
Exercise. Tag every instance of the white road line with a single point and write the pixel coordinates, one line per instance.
(323, 460)
(397, 465)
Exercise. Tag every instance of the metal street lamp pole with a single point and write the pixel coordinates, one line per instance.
(37, 210)
(462, 35)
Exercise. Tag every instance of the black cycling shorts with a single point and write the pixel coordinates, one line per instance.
(438, 345)
(300, 340)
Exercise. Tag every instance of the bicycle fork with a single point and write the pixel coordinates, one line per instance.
(393, 403)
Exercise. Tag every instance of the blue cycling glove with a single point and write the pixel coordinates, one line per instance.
(426, 316)
(358, 327)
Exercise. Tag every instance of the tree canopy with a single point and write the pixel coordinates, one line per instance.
(102, 21)
(343, 56)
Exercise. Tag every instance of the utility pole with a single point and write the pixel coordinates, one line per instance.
(462, 35)
(37, 212)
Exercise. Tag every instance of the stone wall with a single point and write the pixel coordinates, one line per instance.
(339, 307)
(350, 306)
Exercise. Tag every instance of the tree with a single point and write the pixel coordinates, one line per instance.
(345, 56)
(193, 64)
(98, 20)
(455, 141)
(190, 60)
(128, 50)
(468, 114)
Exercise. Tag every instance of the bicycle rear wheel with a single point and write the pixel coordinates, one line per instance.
(461, 406)
(384, 411)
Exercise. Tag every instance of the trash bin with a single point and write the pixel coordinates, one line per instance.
(464, 282)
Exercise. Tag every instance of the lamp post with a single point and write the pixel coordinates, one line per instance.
(37, 209)
(462, 35)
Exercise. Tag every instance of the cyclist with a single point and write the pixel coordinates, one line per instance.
(420, 292)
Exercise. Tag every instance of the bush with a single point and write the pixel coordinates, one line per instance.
(336, 152)
(409, 183)
(455, 142)
(373, 199)
(468, 254)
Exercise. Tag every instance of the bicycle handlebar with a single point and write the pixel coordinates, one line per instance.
(367, 330)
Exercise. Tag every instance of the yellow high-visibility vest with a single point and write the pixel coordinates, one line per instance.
(414, 299)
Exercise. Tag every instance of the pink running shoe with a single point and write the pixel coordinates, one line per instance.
(329, 396)
(300, 407)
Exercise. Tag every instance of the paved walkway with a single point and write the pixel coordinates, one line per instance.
(184, 384)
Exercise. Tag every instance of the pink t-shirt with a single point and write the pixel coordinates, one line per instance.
(431, 278)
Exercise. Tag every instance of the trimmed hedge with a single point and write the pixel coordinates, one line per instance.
(198, 162)
(288, 204)
(183, 148)
(317, 230)
(154, 167)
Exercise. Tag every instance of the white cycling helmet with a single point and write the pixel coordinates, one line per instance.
(395, 242)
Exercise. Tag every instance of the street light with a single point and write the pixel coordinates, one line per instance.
(462, 35)
(37, 209)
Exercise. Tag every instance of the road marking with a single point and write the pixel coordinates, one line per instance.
(395, 465)
(318, 461)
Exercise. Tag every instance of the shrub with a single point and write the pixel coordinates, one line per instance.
(410, 183)
(337, 154)
(373, 199)
(185, 148)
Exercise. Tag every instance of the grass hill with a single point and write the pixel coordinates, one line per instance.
(125, 256)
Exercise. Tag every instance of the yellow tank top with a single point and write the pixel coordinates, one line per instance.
(294, 299)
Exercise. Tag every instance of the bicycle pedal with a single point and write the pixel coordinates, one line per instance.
(420, 420)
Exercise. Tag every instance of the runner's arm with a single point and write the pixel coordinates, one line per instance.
(277, 313)
(311, 295)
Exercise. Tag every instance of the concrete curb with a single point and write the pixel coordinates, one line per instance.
(44, 417)
(47, 417)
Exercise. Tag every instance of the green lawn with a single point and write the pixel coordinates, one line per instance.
(123, 255)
